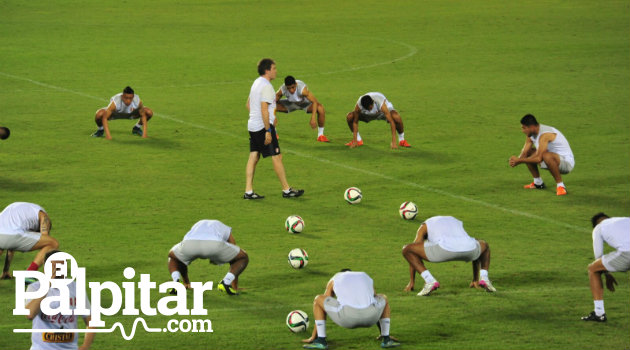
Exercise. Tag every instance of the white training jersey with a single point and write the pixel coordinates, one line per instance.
(379, 100)
(121, 107)
(20, 217)
(615, 232)
(56, 341)
(559, 146)
(297, 95)
(209, 230)
(261, 91)
(448, 233)
(354, 289)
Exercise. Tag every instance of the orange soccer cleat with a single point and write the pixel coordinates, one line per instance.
(360, 143)
(323, 138)
(561, 191)
(404, 143)
(533, 185)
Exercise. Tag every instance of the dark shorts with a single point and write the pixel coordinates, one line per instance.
(133, 115)
(257, 143)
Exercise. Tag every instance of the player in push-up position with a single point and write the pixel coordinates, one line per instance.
(297, 96)
(212, 240)
(125, 105)
(442, 238)
(375, 106)
(350, 301)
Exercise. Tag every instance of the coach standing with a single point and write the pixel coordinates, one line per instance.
(262, 135)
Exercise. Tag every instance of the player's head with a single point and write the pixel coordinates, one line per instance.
(597, 218)
(290, 83)
(4, 133)
(529, 125)
(127, 95)
(367, 102)
(267, 67)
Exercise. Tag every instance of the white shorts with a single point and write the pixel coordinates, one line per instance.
(616, 261)
(350, 317)
(565, 167)
(218, 252)
(22, 242)
(294, 106)
(435, 253)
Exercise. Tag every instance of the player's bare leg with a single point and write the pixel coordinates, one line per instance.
(400, 128)
(278, 167)
(553, 165)
(414, 254)
(319, 314)
(250, 169)
(595, 270)
(533, 168)
(6, 273)
(44, 245)
(238, 265)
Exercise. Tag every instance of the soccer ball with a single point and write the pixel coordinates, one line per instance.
(294, 224)
(297, 321)
(298, 258)
(353, 195)
(408, 210)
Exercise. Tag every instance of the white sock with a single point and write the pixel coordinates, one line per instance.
(538, 181)
(599, 307)
(484, 274)
(229, 278)
(249, 192)
(138, 125)
(359, 137)
(384, 322)
(320, 131)
(401, 136)
(101, 128)
(176, 276)
(428, 278)
(321, 328)
(560, 184)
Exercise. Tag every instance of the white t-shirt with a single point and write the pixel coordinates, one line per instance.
(615, 232)
(379, 100)
(448, 233)
(560, 145)
(121, 107)
(56, 341)
(261, 91)
(20, 217)
(209, 230)
(354, 289)
(297, 95)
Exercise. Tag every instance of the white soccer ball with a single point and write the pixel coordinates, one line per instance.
(297, 321)
(408, 210)
(353, 195)
(294, 224)
(298, 258)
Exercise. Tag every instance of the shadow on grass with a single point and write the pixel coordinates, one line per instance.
(152, 141)
(18, 185)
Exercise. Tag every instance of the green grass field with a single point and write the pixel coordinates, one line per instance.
(462, 74)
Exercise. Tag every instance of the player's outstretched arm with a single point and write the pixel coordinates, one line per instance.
(108, 113)
(143, 118)
(537, 157)
(355, 126)
(45, 225)
(315, 104)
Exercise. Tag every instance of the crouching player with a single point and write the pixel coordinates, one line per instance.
(442, 238)
(208, 239)
(50, 340)
(356, 305)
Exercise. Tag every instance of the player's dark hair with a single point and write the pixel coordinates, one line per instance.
(345, 270)
(597, 217)
(50, 253)
(289, 80)
(366, 101)
(4, 133)
(529, 120)
(265, 65)
(128, 90)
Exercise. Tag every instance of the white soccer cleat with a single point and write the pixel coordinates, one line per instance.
(428, 288)
(487, 285)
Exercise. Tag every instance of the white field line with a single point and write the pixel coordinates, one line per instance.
(330, 162)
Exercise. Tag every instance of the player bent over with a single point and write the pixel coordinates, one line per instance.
(125, 105)
(26, 227)
(212, 240)
(56, 341)
(547, 146)
(356, 305)
(375, 106)
(442, 238)
(299, 97)
(616, 233)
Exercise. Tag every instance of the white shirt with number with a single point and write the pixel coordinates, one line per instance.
(121, 107)
(261, 91)
(209, 230)
(560, 145)
(296, 96)
(354, 289)
(448, 233)
(615, 232)
(20, 217)
(56, 341)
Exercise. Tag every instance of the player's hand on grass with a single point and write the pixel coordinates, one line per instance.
(267, 138)
(390, 337)
(309, 340)
(353, 144)
(6, 276)
(409, 287)
(313, 123)
(513, 161)
(474, 284)
(610, 282)
(394, 145)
